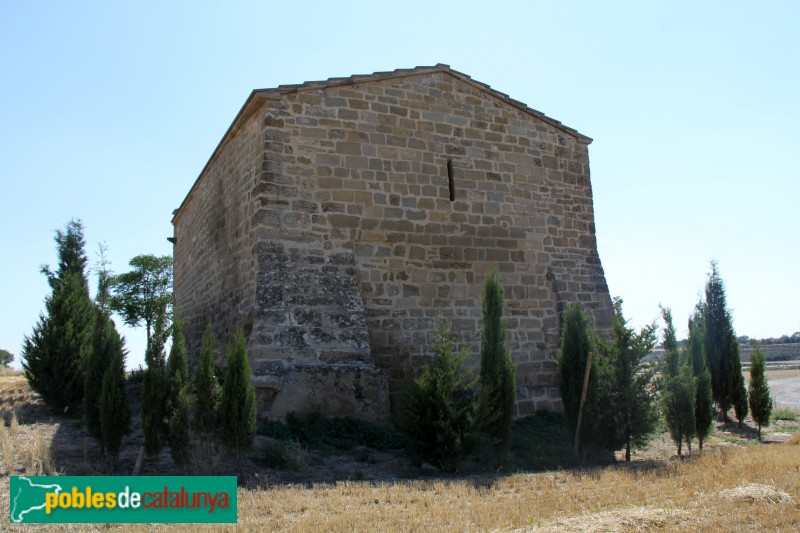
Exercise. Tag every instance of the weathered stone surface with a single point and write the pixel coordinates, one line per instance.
(323, 225)
(360, 391)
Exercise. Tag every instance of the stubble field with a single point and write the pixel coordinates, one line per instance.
(735, 484)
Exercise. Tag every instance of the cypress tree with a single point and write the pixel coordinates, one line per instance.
(238, 403)
(678, 396)
(114, 413)
(177, 363)
(571, 364)
(178, 392)
(54, 354)
(206, 387)
(497, 374)
(106, 342)
(704, 405)
(670, 365)
(720, 344)
(760, 401)
(71, 248)
(738, 387)
(634, 404)
(154, 390)
(600, 427)
(437, 415)
(179, 438)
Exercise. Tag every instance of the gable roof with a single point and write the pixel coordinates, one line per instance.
(251, 104)
(404, 73)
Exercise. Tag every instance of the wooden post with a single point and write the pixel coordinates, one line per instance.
(138, 466)
(583, 403)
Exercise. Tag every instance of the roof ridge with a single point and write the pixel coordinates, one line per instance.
(276, 93)
(403, 72)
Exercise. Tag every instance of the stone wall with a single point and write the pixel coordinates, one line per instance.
(215, 269)
(428, 182)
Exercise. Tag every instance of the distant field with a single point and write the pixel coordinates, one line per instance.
(784, 385)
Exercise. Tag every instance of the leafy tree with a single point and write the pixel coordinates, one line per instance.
(721, 347)
(760, 401)
(144, 293)
(571, 364)
(438, 412)
(106, 342)
(238, 404)
(54, 353)
(703, 404)
(154, 389)
(178, 392)
(114, 412)
(678, 387)
(206, 386)
(497, 376)
(634, 403)
(6, 357)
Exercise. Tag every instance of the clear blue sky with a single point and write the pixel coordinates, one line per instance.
(108, 112)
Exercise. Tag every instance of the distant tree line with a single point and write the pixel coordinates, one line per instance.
(794, 338)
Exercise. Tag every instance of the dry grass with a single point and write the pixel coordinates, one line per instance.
(687, 494)
(25, 449)
(739, 489)
(14, 389)
(752, 488)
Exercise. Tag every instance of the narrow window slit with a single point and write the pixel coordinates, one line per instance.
(450, 182)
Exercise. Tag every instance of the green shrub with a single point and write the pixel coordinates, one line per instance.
(339, 433)
(273, 455)
(785, 413)
(540, 441)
